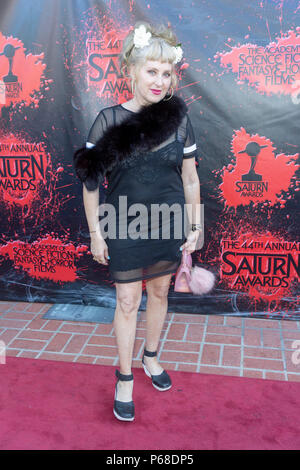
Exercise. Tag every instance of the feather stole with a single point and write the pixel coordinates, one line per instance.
(140, 132)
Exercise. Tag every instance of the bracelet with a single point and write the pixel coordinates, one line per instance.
(195, 227)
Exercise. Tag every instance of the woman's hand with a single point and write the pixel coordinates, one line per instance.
(99, 249)
(191, 241)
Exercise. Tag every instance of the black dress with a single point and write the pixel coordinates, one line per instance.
(147, 197)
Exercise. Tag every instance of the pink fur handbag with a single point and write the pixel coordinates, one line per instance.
(191, 279)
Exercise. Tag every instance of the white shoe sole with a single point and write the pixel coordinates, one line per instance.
(155, 386)
(118, 416)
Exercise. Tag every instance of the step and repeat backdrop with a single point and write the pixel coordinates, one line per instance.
(240, 78)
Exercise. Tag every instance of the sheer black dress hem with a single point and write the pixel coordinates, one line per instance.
(146, 276)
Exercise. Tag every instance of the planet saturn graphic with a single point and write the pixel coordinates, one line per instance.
(252, 149)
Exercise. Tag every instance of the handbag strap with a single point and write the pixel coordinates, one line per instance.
(187, 259)
(185, 266)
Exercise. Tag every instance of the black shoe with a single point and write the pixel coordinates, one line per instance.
(162, 381)
(124, 411)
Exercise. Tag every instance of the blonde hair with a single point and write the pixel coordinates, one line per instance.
(160, 48)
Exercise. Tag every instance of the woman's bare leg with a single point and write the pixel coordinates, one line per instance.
(128, 296)
(157, 307)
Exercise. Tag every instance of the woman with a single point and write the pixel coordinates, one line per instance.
(146, 150)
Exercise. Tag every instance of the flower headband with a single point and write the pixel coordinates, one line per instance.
(141, 39)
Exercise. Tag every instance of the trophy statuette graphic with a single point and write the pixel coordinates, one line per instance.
(252, 149)
(9, 52)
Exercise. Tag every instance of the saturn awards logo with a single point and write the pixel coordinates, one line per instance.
(256, 173)
(21, 73)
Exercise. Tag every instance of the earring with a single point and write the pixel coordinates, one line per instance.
(167, 99)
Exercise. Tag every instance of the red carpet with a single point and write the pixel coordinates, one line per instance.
(59, 405)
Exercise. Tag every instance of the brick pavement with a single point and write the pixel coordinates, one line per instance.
(245, 347)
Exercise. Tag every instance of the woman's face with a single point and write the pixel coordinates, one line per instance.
(153, 81)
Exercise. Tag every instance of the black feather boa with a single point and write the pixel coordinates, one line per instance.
(140, 132)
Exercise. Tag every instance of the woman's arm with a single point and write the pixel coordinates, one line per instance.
(191, 186)
(91, 203)
(99, 247)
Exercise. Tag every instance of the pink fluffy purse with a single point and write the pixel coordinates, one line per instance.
(191, 279)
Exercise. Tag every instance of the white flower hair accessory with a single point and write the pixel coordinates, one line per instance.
(178, 52)
(141, 37)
